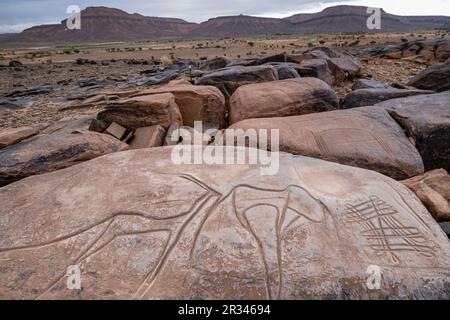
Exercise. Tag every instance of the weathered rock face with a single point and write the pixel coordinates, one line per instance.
(59, 146)
(214, 64)
(12, 136)
(143, 111)
(282, 98)
(443, 51)
(364, 137)
(446, 228)
(256, 61)
(196, 103)
(285, 70)
(421, 51)
(319, 69)
(339, 67)
(148, 137)
(141, 229)
(369, 84)
(426, 120)
(433, 189)
(369, 97)
(436, 77)
(344, 68)
(227, 80)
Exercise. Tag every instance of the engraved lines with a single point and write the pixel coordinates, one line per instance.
(385, 234)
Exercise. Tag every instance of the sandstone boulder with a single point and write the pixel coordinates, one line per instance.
(344, 68)
(369, 97)
(141, 229)
(436, 77)
(214, 64)
(148, 137)
(59, 146)
(426, 120)
(433, 189)
(143, 111)
(446, 228)
(196, 103)
(319, 69)
(364, 137)
(420, 51)
(227, 80)
(14, 135)
(285, 70)
(282, 98)
(443, 51)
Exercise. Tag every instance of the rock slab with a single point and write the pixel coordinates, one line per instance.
(139, 227)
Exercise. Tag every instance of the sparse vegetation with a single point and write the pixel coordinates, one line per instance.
(165, 61)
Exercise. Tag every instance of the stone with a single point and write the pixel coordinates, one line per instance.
(227, 80)
(214, 64)
(148, 137)
(426, 121)
(116, 130)
(15, 64)
(446, 228)
(285, 71)
(320, 69)
(59, 146)
(36, 90)
(282, 98)
(138, 226)
(12, 136)
(328, 52)
(369, 97)
(363, 137)
(369, 84)
(142, 111)
(433, 189)
(7, 105)
(98, 126)
(443, 51)
(436, 77)
(196, 103)
(344, 68)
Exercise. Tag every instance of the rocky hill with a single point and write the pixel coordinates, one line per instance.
(101, 24)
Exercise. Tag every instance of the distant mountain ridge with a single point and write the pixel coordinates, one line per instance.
(102, 24)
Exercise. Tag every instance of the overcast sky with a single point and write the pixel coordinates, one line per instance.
(16, 15)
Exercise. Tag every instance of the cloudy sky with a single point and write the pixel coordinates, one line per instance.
(16, 15)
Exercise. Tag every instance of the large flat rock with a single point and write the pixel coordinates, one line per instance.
(282, 98)
(61, 145)
(436, 77)
(371, 96)
(363, 137)
(426, 119)
(139, 227)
